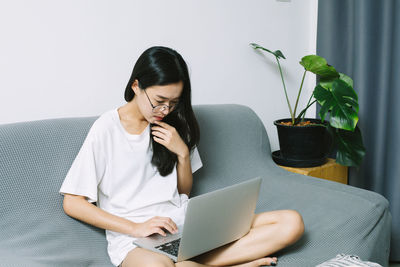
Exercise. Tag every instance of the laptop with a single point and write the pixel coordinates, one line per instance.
(212, 220)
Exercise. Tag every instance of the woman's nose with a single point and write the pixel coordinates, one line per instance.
(165, 111)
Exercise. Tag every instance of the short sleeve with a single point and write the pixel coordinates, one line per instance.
(195, 160)
(86, 171)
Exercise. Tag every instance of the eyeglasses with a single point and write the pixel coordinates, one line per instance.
(159, 108)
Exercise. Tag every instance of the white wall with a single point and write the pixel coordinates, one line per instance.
(74, 58)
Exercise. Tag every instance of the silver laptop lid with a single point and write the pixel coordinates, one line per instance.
(218, 218)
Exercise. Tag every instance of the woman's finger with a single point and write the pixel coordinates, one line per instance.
(160, 129)
(163, 225)
(158, 230)
(159, 134)
(172, 223)
(168, 224)
(159, 140)
(163, 124)
(171, 227)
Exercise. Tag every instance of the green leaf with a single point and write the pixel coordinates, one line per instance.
(346, 79)
(349, 145)
(342, 103)
(277, 53)
(319, 66)
(325, 99)
(327, 82)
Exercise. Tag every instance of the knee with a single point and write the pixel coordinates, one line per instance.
(294, 225)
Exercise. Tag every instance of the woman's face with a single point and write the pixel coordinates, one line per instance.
(155, 102)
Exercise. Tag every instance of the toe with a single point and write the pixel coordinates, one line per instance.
(268, 261)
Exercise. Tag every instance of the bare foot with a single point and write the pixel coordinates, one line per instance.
(259, 262)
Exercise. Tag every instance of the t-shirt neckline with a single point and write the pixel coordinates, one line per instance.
(130, 136)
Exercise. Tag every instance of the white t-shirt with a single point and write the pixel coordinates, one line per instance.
(113, 168)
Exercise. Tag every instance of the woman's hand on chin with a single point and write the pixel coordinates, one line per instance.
(169, 137)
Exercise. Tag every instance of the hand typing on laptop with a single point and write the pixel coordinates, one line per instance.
(212, 220)
(155, 225)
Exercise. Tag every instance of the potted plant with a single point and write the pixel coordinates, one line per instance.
(339, 116)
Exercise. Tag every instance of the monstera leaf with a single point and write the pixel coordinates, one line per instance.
(340, 100)
(319, 66)
(349, 146)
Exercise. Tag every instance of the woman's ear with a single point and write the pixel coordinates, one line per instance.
(135, 86)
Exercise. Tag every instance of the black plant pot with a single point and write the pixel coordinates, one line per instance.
(302, 146)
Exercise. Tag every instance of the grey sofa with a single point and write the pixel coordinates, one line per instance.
(35, 157)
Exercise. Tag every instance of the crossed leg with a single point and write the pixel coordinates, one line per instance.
(270, 232)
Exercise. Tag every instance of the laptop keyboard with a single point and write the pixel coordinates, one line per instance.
(170, 247)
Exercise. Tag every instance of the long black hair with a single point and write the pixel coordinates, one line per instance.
(163, 66)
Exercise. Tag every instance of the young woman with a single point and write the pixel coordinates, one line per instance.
(137, 163)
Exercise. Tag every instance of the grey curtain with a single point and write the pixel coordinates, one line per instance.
(361, 38)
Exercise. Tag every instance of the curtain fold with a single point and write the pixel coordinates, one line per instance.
(361, 38)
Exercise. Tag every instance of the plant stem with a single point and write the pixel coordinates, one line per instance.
(298, 96)
(308, 105)
(284, 87)
(304, 110)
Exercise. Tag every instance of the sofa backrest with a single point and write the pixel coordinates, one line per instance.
(36, 156)
(234, 146)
